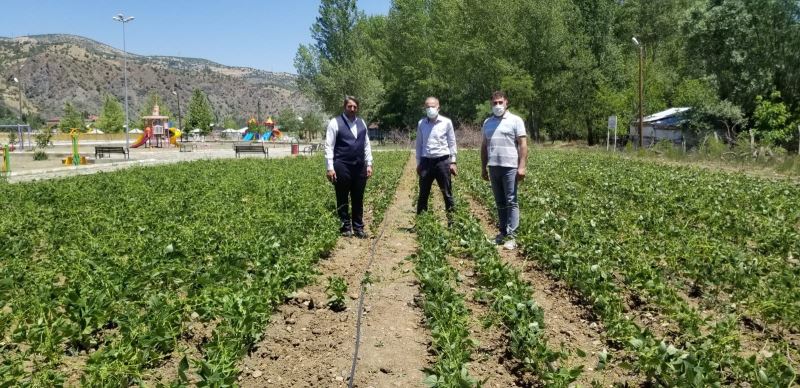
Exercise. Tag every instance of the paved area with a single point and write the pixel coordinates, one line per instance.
(24, 168)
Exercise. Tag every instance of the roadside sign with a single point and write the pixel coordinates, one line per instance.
(612, 122)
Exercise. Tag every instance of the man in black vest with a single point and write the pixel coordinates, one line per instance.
(348, 159)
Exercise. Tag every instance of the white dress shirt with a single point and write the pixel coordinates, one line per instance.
(436, 138)
(333, 131)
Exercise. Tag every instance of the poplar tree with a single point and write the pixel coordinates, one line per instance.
(112, 118)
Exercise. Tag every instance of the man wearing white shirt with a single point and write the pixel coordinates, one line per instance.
(436, 155)
(348, 160)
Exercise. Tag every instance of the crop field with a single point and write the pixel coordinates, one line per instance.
(693, 274)
(206, 273)
(105, 277)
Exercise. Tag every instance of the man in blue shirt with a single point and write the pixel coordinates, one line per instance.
(504, 152)
(348, 160)
(436, 155)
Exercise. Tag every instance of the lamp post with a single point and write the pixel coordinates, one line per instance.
(18, 80)
(124, 20)
(19, 125)
(641, 87)
(178, 97)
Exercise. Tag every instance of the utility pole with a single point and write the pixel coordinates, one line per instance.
(18, 80)
(178, 97)
(124, 20)
(641, 88)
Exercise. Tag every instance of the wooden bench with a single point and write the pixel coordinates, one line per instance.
(250, 148)
(101, 151)
(187, 147)
(310, 149)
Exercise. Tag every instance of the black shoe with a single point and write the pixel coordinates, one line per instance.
(347, 233)
(360, 233)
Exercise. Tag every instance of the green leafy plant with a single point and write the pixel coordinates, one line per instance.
(120, 281)
(39, 155)
(12, 137)
(336, 292)
(684, 233)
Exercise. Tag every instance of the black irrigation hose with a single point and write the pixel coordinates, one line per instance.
(361, 302)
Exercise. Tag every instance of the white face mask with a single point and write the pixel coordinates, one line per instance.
(431, 112)
(498, 110)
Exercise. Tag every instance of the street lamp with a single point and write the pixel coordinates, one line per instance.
(641, 86)
(124, 20)
(178, 97)
(16, 80)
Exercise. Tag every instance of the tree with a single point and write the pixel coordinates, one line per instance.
(338, 63)
(200, 115)
(521, 94)
(729, 115)
(771, 121)
(750, 47)
(230, 122)
(289, 121)
(112, 118)
(7, 116)
(72, 119)
(314, 123)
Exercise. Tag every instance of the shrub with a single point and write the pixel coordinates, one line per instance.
(39, 155)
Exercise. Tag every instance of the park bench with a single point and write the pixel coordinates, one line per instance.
(187, 147)
(101, 151)
(310, 149)
(250, 148)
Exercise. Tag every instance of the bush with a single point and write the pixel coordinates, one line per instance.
(43, 139)
(39, 155)
(712, 147)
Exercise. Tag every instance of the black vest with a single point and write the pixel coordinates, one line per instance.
(349, 149)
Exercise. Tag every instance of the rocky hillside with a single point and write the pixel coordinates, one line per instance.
(60, 68)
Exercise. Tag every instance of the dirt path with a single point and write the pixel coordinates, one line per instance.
(309, 345)
(566, 320)
(394, 340)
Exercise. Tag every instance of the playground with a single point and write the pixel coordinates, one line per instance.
(159, 143)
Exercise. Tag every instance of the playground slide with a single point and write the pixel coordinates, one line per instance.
(141, 140)
(248, 136)
(176, 133)
(266, 136)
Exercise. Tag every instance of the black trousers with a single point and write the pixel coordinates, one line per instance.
(437, 169)
(351, 180)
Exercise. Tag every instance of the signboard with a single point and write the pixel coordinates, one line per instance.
(612, 122)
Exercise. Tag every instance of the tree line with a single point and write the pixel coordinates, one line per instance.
(566, 64)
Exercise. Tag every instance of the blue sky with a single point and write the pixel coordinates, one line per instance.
(260, 34)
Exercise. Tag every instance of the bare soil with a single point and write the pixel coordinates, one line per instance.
(568, 321)
(490, 360)
(309, 345)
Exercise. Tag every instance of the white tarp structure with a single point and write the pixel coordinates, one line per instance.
(664, 125)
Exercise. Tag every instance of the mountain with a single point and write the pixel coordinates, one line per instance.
(58, 68)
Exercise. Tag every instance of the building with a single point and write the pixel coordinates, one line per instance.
(665, 125)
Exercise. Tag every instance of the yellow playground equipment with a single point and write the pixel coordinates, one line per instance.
(74, 159)
(175, 134)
